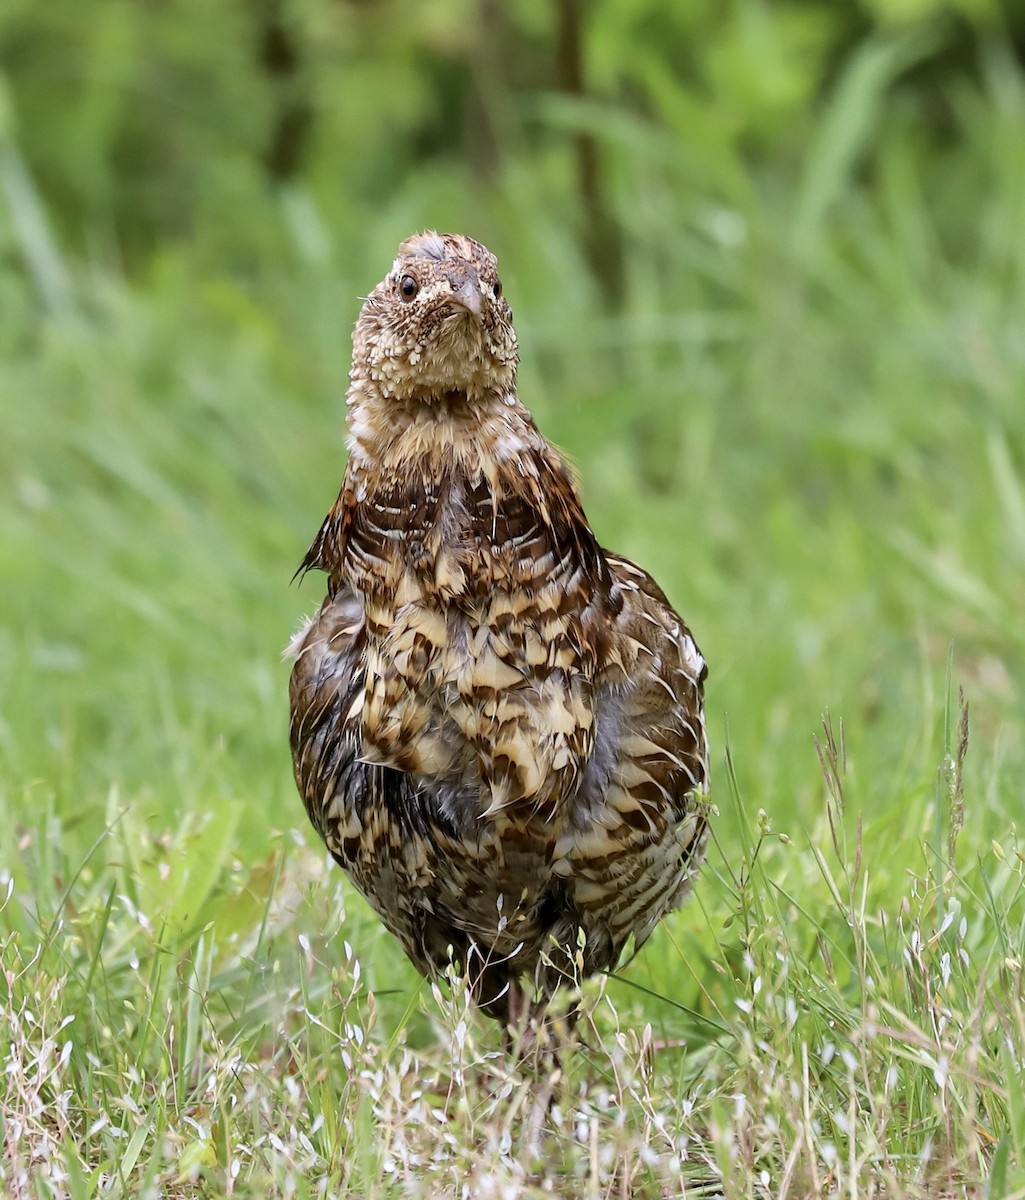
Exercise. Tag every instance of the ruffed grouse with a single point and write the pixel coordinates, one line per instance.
(497, 726)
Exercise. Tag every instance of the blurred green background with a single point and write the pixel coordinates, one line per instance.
(766, 262)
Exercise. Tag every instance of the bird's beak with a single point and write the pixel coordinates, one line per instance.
(466, 291)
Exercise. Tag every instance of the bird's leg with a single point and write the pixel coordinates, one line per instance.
(526, 1039)
(517, 1003)
(541, 1040)
(520, 1025)
(527, 1031)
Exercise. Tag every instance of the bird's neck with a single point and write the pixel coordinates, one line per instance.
(462, 494)
(390, 437)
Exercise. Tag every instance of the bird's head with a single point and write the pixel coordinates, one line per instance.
(437, 325)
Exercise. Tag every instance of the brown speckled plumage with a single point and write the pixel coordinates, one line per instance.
(497, 726)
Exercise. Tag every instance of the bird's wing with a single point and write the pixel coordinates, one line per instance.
(664, 702)
(380, 824)
(640, 815)
(327, 677)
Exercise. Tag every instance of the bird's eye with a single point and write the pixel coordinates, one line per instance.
(498, 289)
(408, 287)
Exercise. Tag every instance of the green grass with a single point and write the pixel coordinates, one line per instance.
(807, 419)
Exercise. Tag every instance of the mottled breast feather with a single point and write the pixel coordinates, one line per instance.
(497, 726)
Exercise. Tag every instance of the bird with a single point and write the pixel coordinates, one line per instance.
(497, 726)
